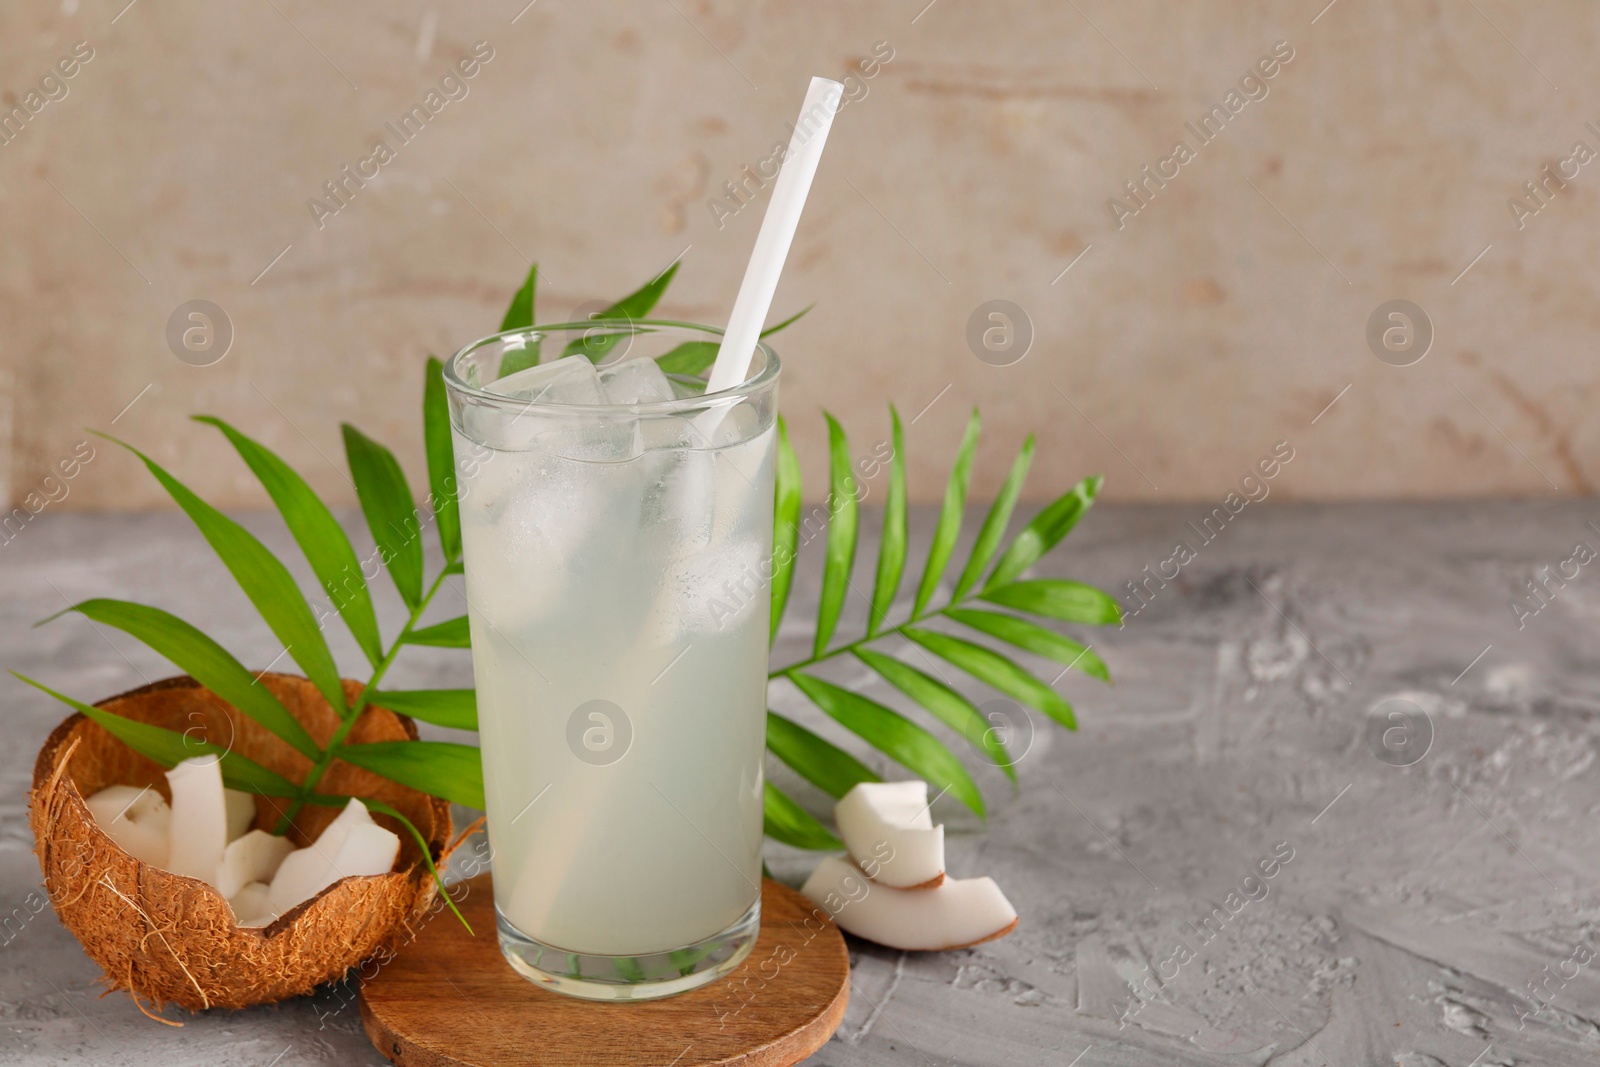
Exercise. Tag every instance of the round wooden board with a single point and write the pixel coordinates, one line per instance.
(448, 999)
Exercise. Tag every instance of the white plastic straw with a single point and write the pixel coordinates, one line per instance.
(777, 231)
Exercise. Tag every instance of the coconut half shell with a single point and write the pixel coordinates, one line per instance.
(170, 939)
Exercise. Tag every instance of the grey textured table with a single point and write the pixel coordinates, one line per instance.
(1440, 912)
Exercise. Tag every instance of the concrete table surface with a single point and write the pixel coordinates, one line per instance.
(1341, 695)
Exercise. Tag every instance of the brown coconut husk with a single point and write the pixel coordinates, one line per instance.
(170, 939)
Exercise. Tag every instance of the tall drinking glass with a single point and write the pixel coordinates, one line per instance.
(617, 531)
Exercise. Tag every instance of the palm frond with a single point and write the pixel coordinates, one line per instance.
(844, 509)
(983, 578)
(892, 547)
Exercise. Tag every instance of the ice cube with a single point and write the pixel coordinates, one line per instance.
(679, 495)
(488, 427)
(527, 517)
(241, 812)
(740, 468)
(255, 857)
(635, 381)
(705, 590)
(670, 431)
(701, 495)
(707, 508)
(199, 829)
(135, 818)
(608, 438)
(640, 381)
(570, 380)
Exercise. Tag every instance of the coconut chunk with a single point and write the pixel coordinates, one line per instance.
(249, 905)
(136, 818)
(241, 808)
(958, 913)
(890, 833)
(255, 857)
(367, 849)
(199, 828)
(308, 871)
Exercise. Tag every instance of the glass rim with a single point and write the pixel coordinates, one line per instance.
(762, 379)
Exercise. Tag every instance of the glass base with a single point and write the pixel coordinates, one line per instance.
(658, 974)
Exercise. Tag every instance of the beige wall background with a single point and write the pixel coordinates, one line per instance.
(1171, 352)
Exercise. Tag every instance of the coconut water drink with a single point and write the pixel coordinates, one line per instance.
(617, 533)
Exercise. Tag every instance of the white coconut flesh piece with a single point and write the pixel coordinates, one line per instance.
(198, 831)
(255, 857)
(261, 875)
(959, 913)
(249, 905)
(368, 849)
(889, 832)
(241, 808)
(351, 845)
(136, 818)
(306, 872)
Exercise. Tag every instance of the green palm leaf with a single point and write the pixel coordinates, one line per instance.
(1031, 637)
(949, 528)
(696, 357)
(170, 748)
(1045, 531)
(894, 735)
(640, 302)
(441, 461)
(207, 662)
(452, 633)
(785, 525)
(391, 513)
(884, 729)
(319, 535)
(455, 708)
(997, 671)
(788, 822)
(788, 322)
(994, 524)
(264, 580)
(943, 702)
(892, 549)
(438, 768)
(519, 316)
(844, 509)
(636, 305)
(1056, 598)
(689, 358)
(823, 764)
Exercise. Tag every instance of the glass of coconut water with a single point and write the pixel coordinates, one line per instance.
(617, 531)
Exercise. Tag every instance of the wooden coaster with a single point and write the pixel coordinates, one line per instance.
(449, 999)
